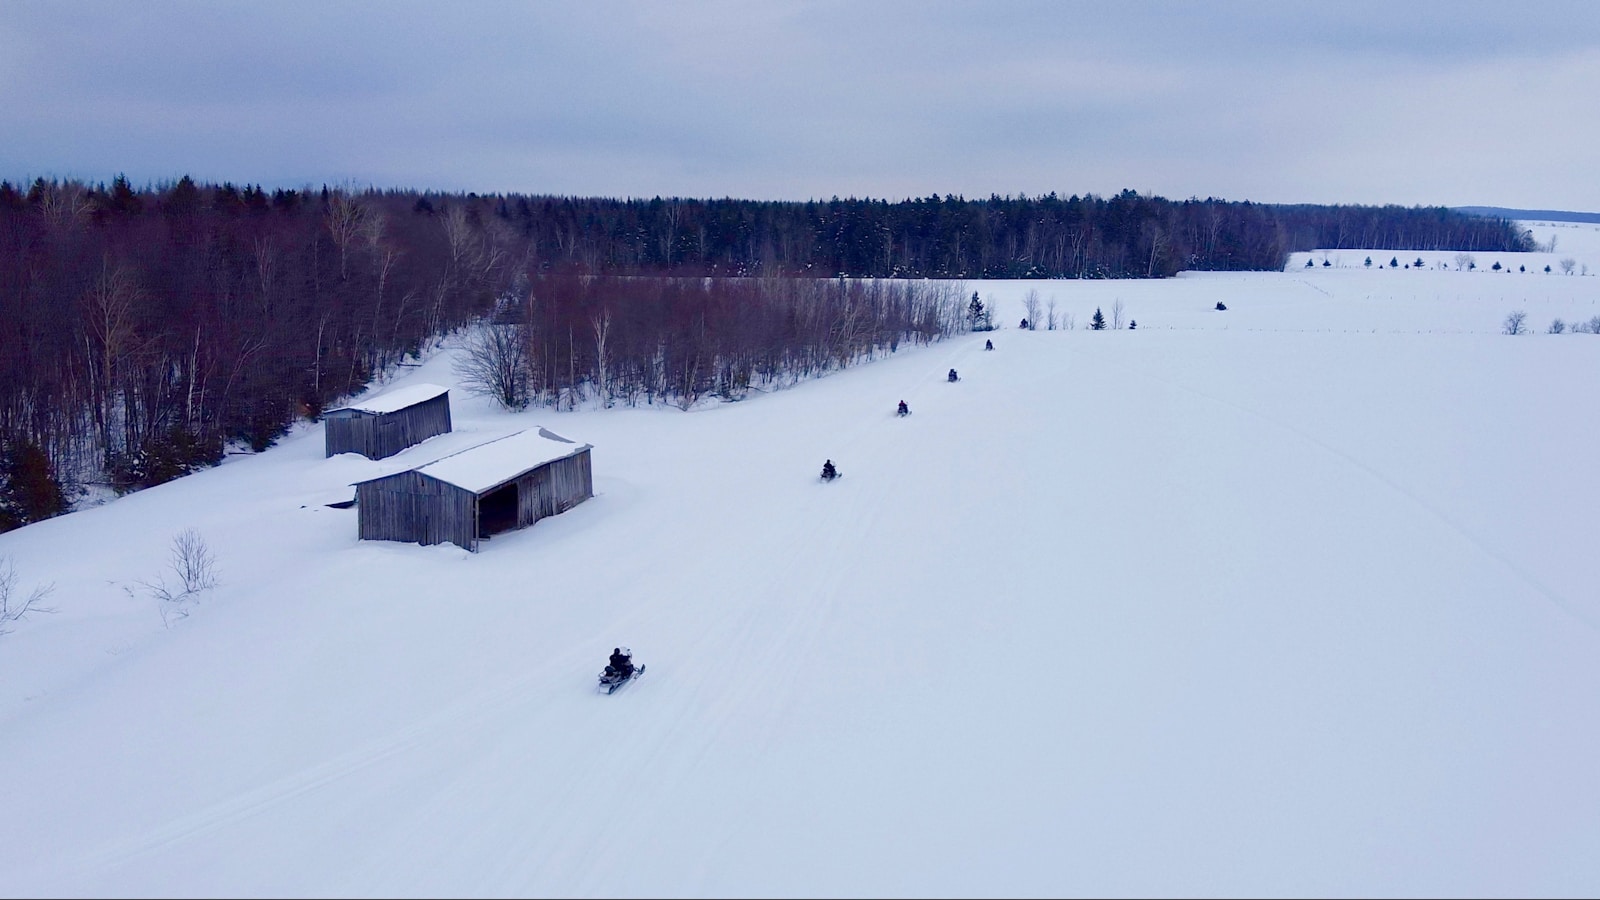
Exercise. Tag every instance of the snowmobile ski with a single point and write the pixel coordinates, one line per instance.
(610, 683)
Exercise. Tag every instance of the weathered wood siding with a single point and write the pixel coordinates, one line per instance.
(407, 506)
(553, 488)
(381, 435)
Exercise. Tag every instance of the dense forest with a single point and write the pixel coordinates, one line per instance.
(148, 329)
(1125, 236)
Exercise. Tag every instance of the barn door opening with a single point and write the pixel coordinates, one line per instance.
(497, 511)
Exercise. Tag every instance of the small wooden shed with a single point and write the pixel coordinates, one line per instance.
(503, 484)
(388, 423)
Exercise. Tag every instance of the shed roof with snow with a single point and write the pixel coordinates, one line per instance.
(395, 400)
(493, 463)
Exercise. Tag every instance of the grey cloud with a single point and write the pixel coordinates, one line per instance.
(791, 99)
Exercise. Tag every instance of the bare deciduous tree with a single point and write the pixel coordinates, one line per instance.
(1116, 315)
(346, 218)
(1030, 305)
(1513, 323)
(495, 363)
(601, 323)
(1567, 265)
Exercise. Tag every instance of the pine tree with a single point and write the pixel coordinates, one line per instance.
(1132, 324)
(976, 313)
(29, 491)
(1098, 323)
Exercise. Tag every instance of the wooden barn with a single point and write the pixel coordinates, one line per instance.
(497, 486)
(388, 423)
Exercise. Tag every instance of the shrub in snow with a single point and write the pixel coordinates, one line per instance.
(1394, 262)
(1556, 327)
(1513, 323)
(13, 605)
(1221, 305)
(1309, 263)
(1326, 264)
(1369, 262)
(1417, 264)
(1496, 266)
(194, 566)
(1132, 324)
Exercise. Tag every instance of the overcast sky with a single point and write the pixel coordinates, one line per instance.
(1454, 102)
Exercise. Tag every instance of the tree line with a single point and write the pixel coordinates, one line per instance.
(146, 329)
(1128, 235)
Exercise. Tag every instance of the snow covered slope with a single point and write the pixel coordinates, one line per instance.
(1296, 598)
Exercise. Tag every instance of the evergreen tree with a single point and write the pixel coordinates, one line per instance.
(1132, 324)
(1098, 323)
(29, 491)
(976, 314)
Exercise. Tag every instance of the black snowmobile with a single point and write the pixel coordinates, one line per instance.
(903, 409)
(619, 671)
(829, 473)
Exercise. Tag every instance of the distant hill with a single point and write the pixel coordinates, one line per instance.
(1539, 215)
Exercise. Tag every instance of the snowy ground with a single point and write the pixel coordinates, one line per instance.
(1292, 599)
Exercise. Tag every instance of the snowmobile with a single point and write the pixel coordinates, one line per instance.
(903, 409)
(829, 473)
(612, 679)
(952, 376)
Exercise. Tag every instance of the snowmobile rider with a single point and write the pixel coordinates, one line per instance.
(952, 376)
(621, 663)
(988, 345)
(828, 471)
(904, 409)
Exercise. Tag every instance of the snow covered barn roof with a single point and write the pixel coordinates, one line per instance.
(395, 400)
(493, 463)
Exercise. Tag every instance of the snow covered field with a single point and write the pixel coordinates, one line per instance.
(1292, 599)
